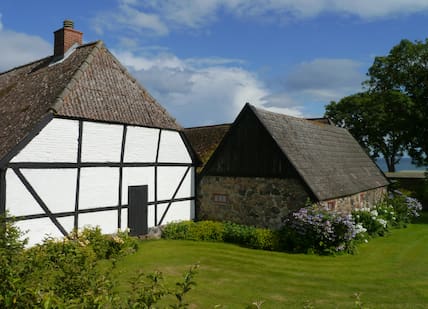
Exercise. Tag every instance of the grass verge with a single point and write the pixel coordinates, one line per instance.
(388, 272)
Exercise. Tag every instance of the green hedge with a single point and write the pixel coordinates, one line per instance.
(247, 236)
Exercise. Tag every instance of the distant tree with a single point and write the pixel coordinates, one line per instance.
(405, 69)
(378, 120)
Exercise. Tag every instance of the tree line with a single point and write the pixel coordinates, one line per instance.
(389, 118)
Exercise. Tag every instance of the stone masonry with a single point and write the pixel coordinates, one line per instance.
(363, 199)
(266, 202)
(262, 202)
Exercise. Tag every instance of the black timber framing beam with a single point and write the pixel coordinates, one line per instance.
(79, 160)
(40, 201)
(156, 178)
(63, 165)
(92, 210)
(2, 192)
(122, 155)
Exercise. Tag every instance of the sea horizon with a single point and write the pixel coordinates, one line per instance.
(405, 164)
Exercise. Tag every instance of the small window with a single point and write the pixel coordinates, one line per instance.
(331, 205)
(220, 198)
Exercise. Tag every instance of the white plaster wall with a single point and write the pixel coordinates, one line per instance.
(56, 187)
(172, 148)
(124, 219)
(168, 180)
(187, 189)
(138, 176)
(56, 142)
(106, 220)
(39, 229)
(99, 186)
(101, 142)
(151, 216)
(178, 211)
(141, 144)
(19, 202)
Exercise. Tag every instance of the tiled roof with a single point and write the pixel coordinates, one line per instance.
(328, 158)
(204, 140)
(89, 84)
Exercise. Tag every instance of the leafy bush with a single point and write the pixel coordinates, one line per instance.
(207, 230)
(250, 236)
(178, 230)
(67, 273)
(11, 265)
(106, 246)
(203, 230)
(395, 211)
(222, 231)
(239, 234)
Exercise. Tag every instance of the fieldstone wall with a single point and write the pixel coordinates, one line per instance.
(262, 202)
(348, 203)
(266, 202)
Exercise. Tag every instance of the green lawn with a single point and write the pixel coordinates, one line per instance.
(388, 272)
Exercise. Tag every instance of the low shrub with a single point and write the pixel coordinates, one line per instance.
(247, 236)
(311, 229)
(178, 230)
(207, 230)
(189, 230)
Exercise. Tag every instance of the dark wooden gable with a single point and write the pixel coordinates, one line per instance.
(248, 150)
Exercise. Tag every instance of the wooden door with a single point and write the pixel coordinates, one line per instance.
(137, 210)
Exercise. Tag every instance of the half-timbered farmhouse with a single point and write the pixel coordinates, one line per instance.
(269, 164)
(82, 143)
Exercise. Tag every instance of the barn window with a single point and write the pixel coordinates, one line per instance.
(331, 205)
(220, 198)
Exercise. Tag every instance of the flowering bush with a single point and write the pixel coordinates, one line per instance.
(321, 231)
(105, 246)
(370, 220)
(395, 211)
(414, 207)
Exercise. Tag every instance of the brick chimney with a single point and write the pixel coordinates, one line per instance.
(65, 37)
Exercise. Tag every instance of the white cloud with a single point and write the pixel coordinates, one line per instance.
(325, 79)
(200, 91)
(159, 17)
(380, 9)
(130, 18)
(20, 48)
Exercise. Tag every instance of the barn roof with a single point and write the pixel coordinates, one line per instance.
(328, 158)
(205, 139)
(90, 84)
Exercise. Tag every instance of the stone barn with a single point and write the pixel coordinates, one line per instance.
(82, 143)
(269, 164)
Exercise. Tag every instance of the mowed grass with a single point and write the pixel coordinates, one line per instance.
(388, 272)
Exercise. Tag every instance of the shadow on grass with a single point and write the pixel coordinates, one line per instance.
(422, 219)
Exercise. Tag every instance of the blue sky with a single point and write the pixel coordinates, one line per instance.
(203, 59)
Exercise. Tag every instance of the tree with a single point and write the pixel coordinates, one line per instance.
(405, 69)
(378, 120)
